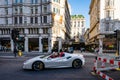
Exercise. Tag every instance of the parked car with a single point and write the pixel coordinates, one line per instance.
(47, 61)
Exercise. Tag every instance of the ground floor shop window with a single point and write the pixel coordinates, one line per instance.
(109, 45)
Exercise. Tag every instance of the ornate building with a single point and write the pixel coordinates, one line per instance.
(42, 23)
(77, 27)
(104, 20)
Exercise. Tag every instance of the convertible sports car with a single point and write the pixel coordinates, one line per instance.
(53, 61)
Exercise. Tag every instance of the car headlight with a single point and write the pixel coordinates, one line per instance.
(26, 61)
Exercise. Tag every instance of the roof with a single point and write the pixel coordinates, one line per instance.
(77, 16)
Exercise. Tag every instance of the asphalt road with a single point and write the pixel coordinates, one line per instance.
(11, 69)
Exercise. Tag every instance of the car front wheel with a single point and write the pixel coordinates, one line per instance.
(38, 65)
(77, 63)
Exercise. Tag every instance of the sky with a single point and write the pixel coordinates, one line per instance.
(80, 7)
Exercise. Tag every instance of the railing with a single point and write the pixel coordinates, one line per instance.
(26, 25)
(5, 15)
(5, 6)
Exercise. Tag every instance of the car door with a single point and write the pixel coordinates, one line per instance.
(53, 62)
(65, 61)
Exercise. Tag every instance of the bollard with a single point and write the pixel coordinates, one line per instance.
(19, 53)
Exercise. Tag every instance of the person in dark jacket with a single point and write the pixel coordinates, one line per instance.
(15, 52)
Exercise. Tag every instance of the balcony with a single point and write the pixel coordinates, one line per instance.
(43, 25)
(108, 26)
(5, 15)
(6, 6)
(17, 4)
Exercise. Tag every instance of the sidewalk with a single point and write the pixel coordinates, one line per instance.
(25, 54)
(36, 53)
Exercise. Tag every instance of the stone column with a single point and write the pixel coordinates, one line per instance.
(49, 44)
(40, 44)
(12, 45)
(26, 40)
(50, 40)
(26, 44)
(40, 40)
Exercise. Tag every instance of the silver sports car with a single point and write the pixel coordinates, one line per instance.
(55, 61)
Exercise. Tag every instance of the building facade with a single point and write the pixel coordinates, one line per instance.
(104, 20)
(77, 27)
(43, 23)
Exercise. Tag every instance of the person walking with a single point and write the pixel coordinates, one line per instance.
(15, 52)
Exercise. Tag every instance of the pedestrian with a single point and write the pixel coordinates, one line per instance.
(96, 50)
(15, 52)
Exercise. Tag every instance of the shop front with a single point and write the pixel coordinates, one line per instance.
(5, 44)
(109, 45)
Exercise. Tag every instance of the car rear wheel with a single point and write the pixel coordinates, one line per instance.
(38, 65)
(77, 63)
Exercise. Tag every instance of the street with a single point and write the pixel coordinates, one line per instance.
(11, 68)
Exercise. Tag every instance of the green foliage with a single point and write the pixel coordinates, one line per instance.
(77, 16)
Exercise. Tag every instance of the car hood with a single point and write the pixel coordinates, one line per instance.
(41, 57)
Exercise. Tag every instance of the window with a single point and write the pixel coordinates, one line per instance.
(58, 1)
(31, 10)
(36, 1)
(107, 27)
(36, 20)
(21, 1)
(15, 20)
(45, 30)
(16, 1)
(32, 1)
(36, 10)
(78, 23)
(25, 19)
(20, 20)
(109, 2)
(21, 10)
(45, 19)
(54, 10)
(82, 25)
(45, 9)
(45, 0)
(107, 13)
(6, 20)
(6, 2)
(16, 10)
(31, 19)
(74, 24)
(6, 11)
